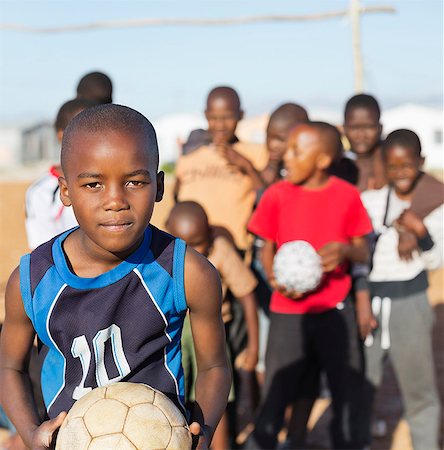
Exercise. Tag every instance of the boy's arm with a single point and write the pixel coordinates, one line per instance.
(243, 164)
(249, 306)
(16, 393)
(334, 253)
(429, 241)
(203, 293)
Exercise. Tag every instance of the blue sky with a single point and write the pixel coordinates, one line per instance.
(163, 70)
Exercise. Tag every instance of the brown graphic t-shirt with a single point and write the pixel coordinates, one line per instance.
(226, 194)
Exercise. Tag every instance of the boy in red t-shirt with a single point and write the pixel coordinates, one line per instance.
(315, 331)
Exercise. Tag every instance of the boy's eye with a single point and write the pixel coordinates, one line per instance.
(136, 183)
(93, 185)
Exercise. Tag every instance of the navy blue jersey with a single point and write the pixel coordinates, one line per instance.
(123, 325)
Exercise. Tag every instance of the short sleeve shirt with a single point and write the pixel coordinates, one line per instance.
(226, 194)
(333, 213)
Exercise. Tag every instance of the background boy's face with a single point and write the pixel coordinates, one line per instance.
(402, 168)
(222, 119)
(362, 129)
(112, 185)
(303, 158)
(277, 137)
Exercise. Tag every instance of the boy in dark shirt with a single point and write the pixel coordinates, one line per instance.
(114, 280)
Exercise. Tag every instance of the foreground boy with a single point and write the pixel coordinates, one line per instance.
(399, 288)
(116, 285)
(315, 331)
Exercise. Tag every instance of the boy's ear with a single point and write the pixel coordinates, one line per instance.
(60, 135)
(380, 129)
(241, 114)
(160, 185)
(64, 194)
(324, 161)
(421, 161)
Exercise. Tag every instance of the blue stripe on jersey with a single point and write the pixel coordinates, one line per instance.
(107, 278)
(25, 284)
(178, 275)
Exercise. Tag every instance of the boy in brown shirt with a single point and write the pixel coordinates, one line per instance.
(189, 221)
(224, 176)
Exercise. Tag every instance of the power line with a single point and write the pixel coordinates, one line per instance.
(150, 22)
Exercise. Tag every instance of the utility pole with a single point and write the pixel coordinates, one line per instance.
(355, 17)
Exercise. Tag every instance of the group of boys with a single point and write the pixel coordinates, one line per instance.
(235, 202)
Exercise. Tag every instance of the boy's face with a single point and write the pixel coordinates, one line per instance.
(112, 185)
(402, 168)
(277, 136)
(222, 119)
(304, 158)
(362, 129)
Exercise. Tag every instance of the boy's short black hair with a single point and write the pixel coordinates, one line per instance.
(111, 117)
(226, 92)
(69, 110)
(362, 101)
(331, 135)
(402, 138)
(289, 113)
(96, 86)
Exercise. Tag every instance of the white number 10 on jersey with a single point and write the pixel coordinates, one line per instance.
(80, 349)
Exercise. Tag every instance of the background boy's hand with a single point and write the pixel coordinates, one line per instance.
(42, 437)
(199, 438)
(247, 359)
(332, 254)
(412, 222)
(407, 244)
(234, 158)
(284, 291)
(364, 315)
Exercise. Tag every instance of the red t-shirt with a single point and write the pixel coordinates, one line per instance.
(289, 212)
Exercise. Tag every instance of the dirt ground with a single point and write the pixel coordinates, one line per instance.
(389, 405)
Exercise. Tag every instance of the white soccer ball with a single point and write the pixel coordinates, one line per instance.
(297, 267)
(124, 416)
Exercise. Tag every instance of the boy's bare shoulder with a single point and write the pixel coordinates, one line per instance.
(13, 284)
(201, 278)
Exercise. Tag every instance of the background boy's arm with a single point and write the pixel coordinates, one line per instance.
(16, 393)
(203, 293)
(243, 164)
(429, 238)
(250, 355)
(334, 253)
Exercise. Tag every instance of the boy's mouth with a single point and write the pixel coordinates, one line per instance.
(116, 225)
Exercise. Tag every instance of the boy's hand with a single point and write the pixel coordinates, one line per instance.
(407, 244)
(284, 291)
(234, 158)
(200, 441)
(42, 437)
(412, 222)
(247, 359)
(364, 315)
(332, 254)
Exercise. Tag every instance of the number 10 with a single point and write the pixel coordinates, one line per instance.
(80, 349)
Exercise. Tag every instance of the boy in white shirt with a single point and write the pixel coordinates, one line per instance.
(399, 288)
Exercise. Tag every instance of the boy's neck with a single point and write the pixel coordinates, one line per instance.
(316, 182)
(87, 260)
(368, 155)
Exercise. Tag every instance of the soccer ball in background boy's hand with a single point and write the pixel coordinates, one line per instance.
(297, 267)
(120, 416)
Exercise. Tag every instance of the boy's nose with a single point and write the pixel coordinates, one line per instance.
(115, 200)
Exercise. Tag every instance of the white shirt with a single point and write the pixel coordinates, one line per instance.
(46, 216)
